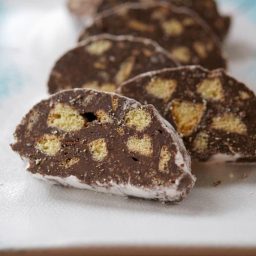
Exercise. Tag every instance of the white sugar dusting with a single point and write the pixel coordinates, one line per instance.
(166, 194)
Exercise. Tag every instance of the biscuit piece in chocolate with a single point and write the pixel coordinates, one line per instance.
(104, 62)
(214, 113)
(186, 37)
(107, 143)
(206, 9)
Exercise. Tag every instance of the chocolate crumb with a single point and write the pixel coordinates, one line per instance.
(217, 183)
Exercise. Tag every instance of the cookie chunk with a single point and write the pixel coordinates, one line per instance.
(103, 62)
(214, 113)
(187, 42)
(107, 143)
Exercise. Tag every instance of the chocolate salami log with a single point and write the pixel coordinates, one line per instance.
(183, 34)
(107, 143)
(104, 62)
(214, 113)
(206, 9)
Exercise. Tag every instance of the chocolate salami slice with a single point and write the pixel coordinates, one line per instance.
(107, 143)
(206, 9)
(104, 62)
(183, 34)
(214, 113)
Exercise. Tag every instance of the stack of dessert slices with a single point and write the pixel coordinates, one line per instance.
(142, 92)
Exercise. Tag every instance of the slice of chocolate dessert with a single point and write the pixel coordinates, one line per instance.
(107, 143)
(103, 62)
(213, 112)
(206, 9)
(186, 37)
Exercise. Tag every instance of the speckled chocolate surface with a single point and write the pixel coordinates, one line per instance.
(103, 62)
(186, 37)
(213, 112)
(107, 143)
(206, 9)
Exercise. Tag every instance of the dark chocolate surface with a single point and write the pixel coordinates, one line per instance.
(206, 9)
(231, 102)
(103, 62)
(100, 117)
(181, 32)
